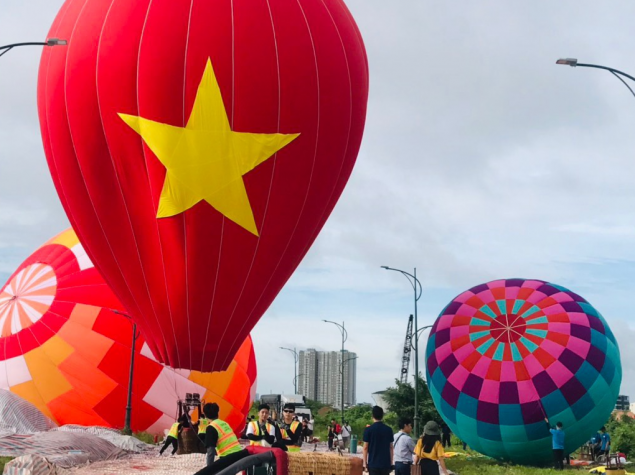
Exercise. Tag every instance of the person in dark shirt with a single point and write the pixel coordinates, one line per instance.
(220, 440)
(378, 445)
(331, 437)
(446, 435)
(289, 431)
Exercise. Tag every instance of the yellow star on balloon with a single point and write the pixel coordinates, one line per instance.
(206, 160)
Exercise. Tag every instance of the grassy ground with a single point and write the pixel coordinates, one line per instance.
(4, 460)
(473, 463)
(144, 437)
(485, 466)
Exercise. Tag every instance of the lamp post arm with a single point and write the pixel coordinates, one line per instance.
(613, 70)
(416, 284)
(29, 43)
(623, 82)
(50, 42)
(343, 330)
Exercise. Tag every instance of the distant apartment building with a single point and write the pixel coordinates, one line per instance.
(623, 403)
(320, 377)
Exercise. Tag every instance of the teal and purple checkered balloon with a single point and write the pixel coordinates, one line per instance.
(504, 355)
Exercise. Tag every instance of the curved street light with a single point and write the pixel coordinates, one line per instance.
(126, 425)
(573, 62)
(50, 42)
(295, 365)
(418, 289)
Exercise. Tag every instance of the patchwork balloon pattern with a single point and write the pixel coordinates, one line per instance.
(66, 352)
(504, 355)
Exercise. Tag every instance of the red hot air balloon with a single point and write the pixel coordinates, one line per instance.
(198, 148)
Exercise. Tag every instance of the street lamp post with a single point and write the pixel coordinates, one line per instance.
(416, 285)
(342, 373)
(50, 42)
(296, 379)
(295, 366)
(126, 425)
(344, 338)
(573, 62)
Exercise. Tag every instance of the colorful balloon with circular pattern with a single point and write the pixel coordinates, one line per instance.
(504, 355)
(66, 352)
(198, 148)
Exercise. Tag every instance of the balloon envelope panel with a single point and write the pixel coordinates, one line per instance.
(504, 355)
(63, 350)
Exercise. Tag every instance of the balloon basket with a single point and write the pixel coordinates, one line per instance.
(303, 463)
(189, 443)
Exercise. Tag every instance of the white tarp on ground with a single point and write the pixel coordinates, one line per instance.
(18, 416)
(64, 449)
(32, 465)
(113, 436)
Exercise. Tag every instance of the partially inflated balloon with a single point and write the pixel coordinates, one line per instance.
(198, 148)
(66, 352)
(505, 355)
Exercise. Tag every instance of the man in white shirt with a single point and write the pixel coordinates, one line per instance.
(404, 447)
(346, 435)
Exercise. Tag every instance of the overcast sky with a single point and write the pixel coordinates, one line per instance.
(481, 159)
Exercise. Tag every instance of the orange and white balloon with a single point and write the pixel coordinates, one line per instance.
(66, 352)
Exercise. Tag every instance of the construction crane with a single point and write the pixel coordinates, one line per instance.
(407, 348)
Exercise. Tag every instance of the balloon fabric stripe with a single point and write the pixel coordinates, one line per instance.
(274, 158)
(116, 176)
(165, 356)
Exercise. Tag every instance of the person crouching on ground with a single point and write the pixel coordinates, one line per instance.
(429, 451)
(261, 432)
(220, 440)
(557, 444)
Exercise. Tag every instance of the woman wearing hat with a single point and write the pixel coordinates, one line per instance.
(429, 453)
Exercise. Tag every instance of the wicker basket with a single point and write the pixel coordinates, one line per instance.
(309, 463)
(189, 443)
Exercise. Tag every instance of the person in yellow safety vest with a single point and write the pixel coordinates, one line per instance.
(172, 438)
(261, 432)
(202, 424)
(290, 429)
(220, 440)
